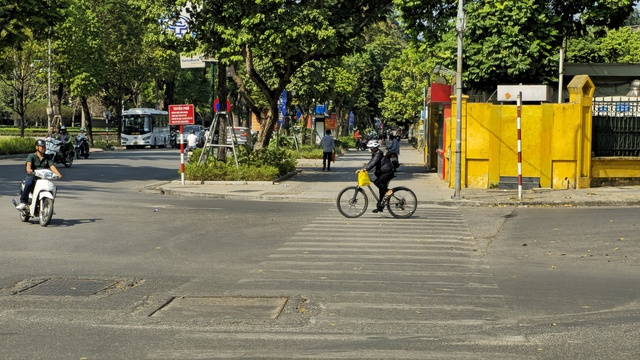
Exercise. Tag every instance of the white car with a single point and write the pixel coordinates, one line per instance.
(242, 134)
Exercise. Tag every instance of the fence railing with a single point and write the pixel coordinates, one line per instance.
(616, 126)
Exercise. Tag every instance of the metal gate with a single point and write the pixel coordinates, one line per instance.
(616, 126)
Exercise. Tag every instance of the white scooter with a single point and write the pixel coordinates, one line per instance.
(42, 198)
(54, 149)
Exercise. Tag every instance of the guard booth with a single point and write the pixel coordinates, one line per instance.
(438, 109)
(319, 125)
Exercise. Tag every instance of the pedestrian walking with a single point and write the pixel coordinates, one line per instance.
(329, 147)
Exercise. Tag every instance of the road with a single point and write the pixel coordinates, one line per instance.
(122, 274)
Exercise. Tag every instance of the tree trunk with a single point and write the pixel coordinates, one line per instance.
(267, 125)
(87, 116)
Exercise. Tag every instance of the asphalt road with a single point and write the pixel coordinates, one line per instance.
(123, 274)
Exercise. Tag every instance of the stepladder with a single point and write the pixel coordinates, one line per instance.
(209, 145)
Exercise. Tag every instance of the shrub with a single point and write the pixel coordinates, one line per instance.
(259, 165)
(346, 142)
(309, 152)
(17, 145)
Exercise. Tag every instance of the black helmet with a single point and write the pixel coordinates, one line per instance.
(40, 142)
(63, 128)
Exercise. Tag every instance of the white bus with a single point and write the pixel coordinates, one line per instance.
(142, 127)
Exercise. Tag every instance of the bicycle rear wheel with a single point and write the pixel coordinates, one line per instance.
(403, 203)
(352, 202)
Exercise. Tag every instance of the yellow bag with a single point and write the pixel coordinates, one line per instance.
(363, 178)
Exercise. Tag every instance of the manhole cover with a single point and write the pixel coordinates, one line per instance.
(67, 287)
(241, 308)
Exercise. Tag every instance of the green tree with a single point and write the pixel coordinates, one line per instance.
(25, 77)
(405, 79)
(79, 54)
(617, 46)
(513, 41)
(271, 39)
(21, 20)
(516, 42)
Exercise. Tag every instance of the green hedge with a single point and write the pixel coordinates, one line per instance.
(259, 165)
(17, 145)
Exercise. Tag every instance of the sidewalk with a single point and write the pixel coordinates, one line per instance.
(311, 184)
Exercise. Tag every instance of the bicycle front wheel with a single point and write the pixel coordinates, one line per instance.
(403, 203)
(352, 202)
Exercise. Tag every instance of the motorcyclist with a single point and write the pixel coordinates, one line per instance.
(52, 132)
(192, 141)
(393, 153)
(383, 171)
(82, 135)
(66, 140)
(37, 160)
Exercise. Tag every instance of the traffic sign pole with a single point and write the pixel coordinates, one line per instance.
(181, 155)
(180, 115)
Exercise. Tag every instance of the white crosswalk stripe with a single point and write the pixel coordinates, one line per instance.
(382, 288)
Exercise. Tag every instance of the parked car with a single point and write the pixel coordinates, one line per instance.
(242, 134)
(199, 131)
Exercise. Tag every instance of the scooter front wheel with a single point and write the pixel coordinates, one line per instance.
(46, 211)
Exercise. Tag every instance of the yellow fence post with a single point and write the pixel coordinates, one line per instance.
(581, 91)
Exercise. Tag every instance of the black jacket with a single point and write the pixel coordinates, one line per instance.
(381, 163)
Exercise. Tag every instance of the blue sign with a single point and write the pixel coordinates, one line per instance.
(282, 107)
(320, 109)
(351, 120)
(180, 27)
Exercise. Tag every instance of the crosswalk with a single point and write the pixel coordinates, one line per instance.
(376, 287)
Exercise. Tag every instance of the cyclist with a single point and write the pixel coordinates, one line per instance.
(383, 171)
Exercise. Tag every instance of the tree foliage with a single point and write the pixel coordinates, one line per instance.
(513, 41)
(26, 76)
(21, 20)
(271, 39)
(617, 46)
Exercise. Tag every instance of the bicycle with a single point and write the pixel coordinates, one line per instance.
(352, 201)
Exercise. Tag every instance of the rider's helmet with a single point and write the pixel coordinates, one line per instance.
(373, 144)
(40, 142)
(63, 128)
(82, 130)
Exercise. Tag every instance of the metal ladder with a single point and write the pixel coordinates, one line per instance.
(207, 149)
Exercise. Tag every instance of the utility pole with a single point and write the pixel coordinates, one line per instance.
(49, 97)
(460, 30)
(561, 70)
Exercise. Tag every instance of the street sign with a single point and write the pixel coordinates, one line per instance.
(216, 105)
(181, 114)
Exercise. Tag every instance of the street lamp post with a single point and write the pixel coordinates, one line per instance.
(460, 30)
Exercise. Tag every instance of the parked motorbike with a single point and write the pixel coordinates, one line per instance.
(82, 145)
(42, 199)
(54, 149)
(173, 139)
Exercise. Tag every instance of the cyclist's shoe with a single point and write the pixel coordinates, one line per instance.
(378, 209)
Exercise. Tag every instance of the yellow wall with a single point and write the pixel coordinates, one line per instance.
(556, 141)
(615, 168)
